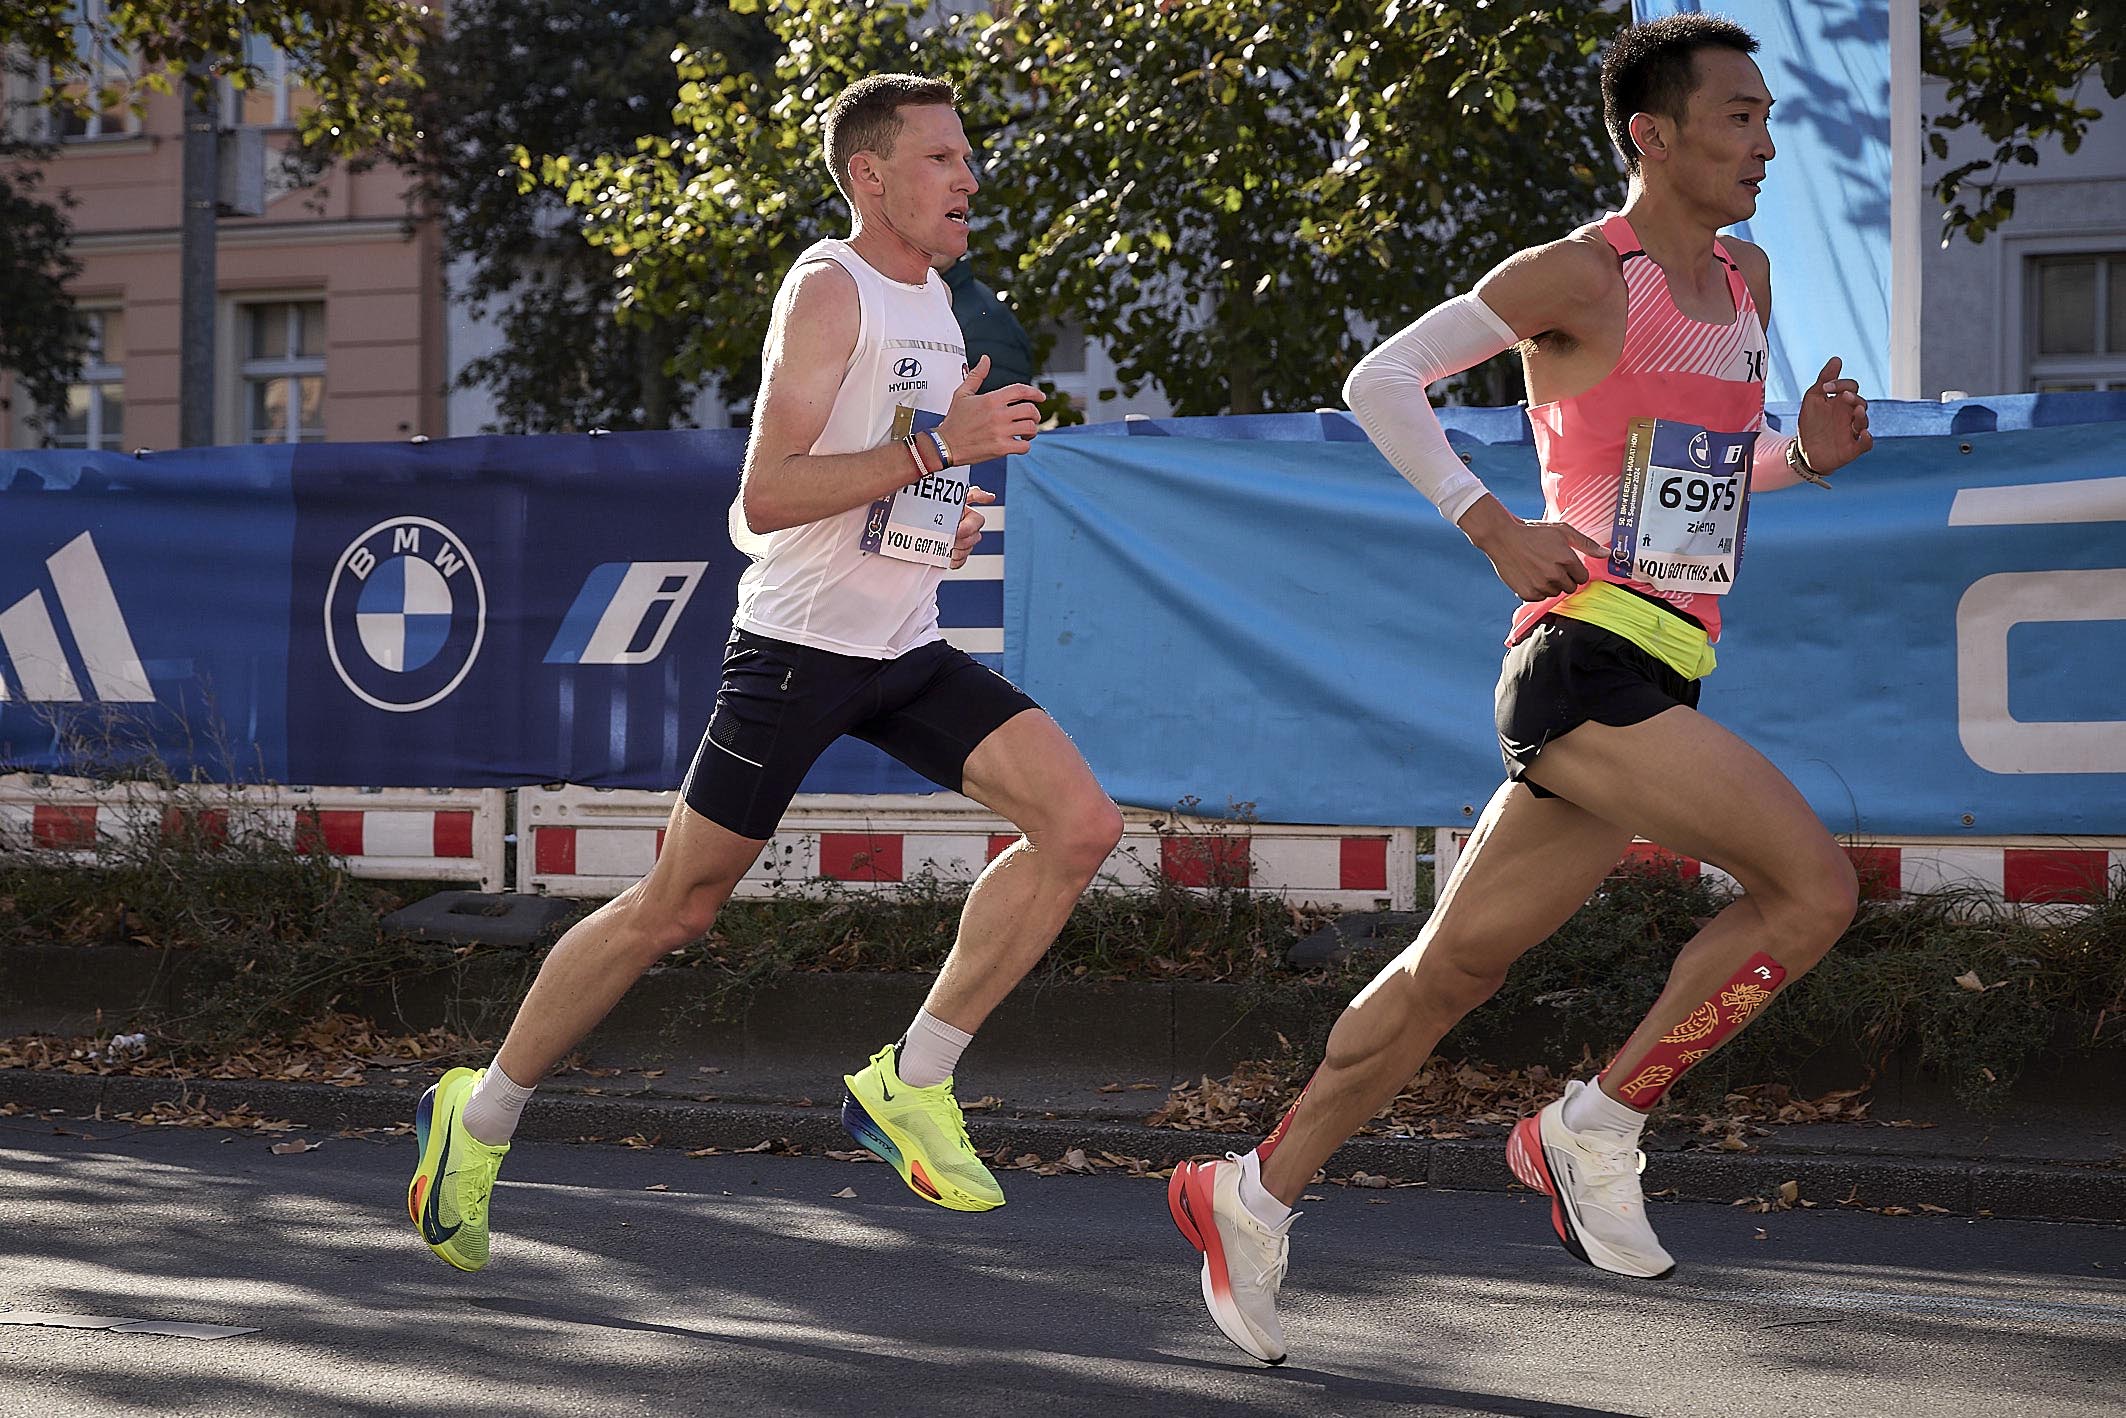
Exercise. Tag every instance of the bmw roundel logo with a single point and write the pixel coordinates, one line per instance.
(1701, 449)
(405, 613)
(907, 368)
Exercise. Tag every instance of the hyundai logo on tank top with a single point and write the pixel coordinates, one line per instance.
(864, 582)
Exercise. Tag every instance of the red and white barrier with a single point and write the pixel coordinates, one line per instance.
(2021, 871)
(594, 842)
(408, 834)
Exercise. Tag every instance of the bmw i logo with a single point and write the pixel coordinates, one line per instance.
(1701, 449)
(405, 613)
(907, 368)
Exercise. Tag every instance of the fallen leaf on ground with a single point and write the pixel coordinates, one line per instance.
(289, 1149)
(656, 1187)
(846, 1193)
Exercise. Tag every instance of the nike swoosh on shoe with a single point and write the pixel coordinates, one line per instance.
(432, 1230)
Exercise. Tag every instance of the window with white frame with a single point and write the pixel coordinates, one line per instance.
(284, 371)
(94, 414)
(98, 86)
(265, 102)
(2077, 335)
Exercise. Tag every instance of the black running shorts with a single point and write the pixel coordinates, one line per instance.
(1567, 672)
(780, 705)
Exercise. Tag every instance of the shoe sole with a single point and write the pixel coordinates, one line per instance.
(1526, 1156)
(893, 1147)
(1189, 1189)
(429, 1139)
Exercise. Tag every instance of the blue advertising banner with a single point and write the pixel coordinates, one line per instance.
(1930, 647)
(1236, 610)
(144, 611)
(470, 613)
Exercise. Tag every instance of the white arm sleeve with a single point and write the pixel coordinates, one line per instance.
(1386, 391)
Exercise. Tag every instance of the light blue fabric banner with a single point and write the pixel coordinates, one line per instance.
(1930, 648)
(1824, 216)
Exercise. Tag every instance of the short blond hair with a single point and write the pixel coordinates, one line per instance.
(866, 117)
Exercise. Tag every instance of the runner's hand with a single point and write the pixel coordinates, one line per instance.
(971, 524)
(1833, 423)
(1536, 560)
(979, 427)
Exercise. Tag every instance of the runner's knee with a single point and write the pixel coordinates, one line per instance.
(1434, 976)
(1811, 908)
(664, 916)
(1080, 839)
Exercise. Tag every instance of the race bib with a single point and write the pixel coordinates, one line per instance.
(1682, 507)
(918, 522)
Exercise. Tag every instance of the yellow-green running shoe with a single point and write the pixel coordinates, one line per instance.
(448, 1196)
(921, 1131)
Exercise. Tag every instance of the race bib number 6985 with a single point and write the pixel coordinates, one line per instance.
(1682, 506)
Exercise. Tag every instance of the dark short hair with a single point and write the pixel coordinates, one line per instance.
(866, 117)
(1653, 68)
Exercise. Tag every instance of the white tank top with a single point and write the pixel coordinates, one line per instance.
(813, 585)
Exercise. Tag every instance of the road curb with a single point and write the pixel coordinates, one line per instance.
(2023, 1190)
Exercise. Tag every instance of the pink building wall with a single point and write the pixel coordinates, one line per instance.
(351, 241)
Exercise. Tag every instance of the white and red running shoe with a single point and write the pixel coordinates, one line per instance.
(1243, 1260)
(1592, 1179)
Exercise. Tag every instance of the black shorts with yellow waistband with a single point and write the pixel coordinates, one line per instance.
(1565, 673)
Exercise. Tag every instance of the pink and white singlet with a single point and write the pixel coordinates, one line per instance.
(1672, 368)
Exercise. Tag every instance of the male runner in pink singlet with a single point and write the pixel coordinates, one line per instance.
(1642, 337)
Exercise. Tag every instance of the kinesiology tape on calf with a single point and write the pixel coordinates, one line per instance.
(1702, 1031)
(1264, 1148)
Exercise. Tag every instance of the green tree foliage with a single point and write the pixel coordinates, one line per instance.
(42, 339)
(1215, 189)
(1219, 190)
(2018, 73)
(359, 58)
(550, 75)
(701, 225)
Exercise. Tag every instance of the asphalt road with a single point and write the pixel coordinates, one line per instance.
(746, 1285)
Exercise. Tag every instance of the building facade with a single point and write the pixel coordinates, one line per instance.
(329, 318)
(2040, 304)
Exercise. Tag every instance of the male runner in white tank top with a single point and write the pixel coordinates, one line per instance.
(1643, 340)
(854, 501)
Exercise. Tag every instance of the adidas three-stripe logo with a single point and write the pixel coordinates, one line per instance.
(29, 640)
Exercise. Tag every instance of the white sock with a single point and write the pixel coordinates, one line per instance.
(496, 1103)
(1260, 1204)
(930, 1051)
(1589, 1109)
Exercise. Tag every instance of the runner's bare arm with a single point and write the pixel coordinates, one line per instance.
(1834, 417)
(813, 332)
